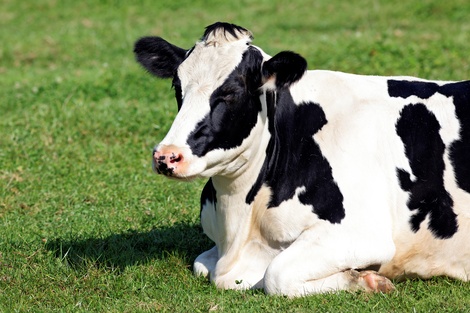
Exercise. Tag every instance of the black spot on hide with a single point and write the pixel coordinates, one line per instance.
(405, 89)
(460, 149)
(294, 160)
(418, 128)
(460, 94)
(208, 194)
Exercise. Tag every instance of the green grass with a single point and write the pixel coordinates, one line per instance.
(85, 226)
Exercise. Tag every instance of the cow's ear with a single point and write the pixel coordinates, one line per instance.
(285, 68)
(158, 56)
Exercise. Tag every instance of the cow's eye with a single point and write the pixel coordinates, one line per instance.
(229, 98)
(218, 102)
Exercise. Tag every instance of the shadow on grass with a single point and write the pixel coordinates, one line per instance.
(130, 248)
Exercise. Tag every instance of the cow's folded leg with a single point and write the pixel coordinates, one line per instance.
(313, 265)
(350, 280)
(205, 263)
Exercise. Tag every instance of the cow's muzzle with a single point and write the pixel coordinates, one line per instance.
(168, 160)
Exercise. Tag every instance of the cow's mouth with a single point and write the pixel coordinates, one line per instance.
(162, 168)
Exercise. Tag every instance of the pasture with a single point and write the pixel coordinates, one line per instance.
(85, 224)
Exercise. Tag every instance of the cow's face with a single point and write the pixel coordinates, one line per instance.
(217, 85)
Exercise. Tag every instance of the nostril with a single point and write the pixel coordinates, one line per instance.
(176, 158)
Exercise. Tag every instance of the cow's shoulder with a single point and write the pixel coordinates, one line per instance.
(295, 167)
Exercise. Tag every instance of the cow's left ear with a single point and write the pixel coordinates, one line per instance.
(286, 68)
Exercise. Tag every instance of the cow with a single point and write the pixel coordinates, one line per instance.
(318, 181)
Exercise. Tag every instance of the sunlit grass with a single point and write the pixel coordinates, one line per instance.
(84, 223)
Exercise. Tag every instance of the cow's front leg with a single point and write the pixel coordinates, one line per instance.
(309, 267)
(205, 263)
(350, 280)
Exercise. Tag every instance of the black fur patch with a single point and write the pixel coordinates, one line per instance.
(460, 93)
(176, 84)
(418, 128)
(208, 194)
(232, 29)
(294, 159)
(234, 108)
(460, 149)
(405, 89)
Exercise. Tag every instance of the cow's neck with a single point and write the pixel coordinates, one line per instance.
(234, 214)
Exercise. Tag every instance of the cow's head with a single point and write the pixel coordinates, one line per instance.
(217, 85)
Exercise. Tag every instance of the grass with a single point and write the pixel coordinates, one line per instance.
(85, 226)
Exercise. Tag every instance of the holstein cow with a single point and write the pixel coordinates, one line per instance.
(318, 180)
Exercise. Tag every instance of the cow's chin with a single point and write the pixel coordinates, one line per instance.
(186, 171)
(182, 177)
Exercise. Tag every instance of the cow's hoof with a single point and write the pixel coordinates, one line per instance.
(371, 281)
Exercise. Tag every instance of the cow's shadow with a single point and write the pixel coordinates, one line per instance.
(119, 251)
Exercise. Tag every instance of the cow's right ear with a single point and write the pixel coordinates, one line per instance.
(158, 56)
(285, 68)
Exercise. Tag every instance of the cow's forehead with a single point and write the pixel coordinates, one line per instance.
(212, 60)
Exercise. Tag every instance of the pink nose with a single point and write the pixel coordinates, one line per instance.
(167, 159)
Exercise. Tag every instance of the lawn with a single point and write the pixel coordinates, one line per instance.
(86, 226)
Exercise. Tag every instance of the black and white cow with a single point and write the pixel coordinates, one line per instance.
(316, 177)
